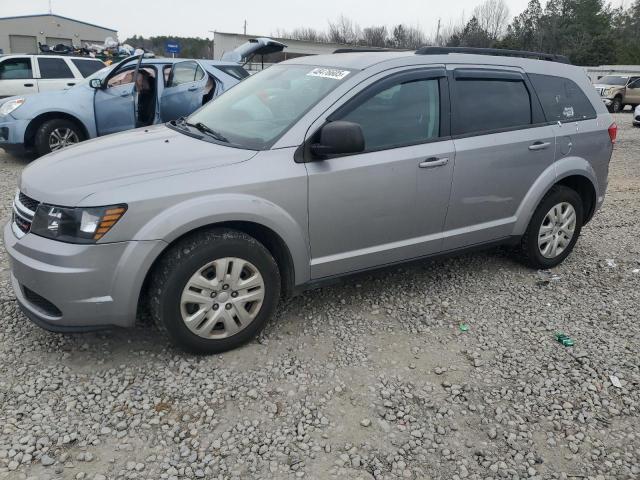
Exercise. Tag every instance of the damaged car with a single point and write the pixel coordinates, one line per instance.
(137, 92)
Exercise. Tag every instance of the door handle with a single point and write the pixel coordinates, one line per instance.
(433, 162)
(28, 84)
(539, 146)
(192, 89)
(125, 95)
(71, 84)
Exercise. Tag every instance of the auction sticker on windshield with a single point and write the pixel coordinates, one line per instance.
(333, 73)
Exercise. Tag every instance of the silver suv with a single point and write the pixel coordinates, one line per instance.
(315, 168)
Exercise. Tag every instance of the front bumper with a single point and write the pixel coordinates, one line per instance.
(608, 101)
(12, 133)
(68, 287)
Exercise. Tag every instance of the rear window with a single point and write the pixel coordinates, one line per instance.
(54, 68)
(562, 100)
(235, 72)
(87, 67)
(483, 105)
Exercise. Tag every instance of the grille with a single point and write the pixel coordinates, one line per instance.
(28, 202)
(41, 303)
(23, 225)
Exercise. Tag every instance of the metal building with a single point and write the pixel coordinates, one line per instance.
(22, 34)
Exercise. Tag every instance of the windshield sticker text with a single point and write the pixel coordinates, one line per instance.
(328, 73)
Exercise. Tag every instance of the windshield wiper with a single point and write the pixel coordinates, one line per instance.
(209, 131)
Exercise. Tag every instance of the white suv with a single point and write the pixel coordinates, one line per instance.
(23, 74)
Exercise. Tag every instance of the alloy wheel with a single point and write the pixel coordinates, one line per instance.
(222, 298)
(61, 138)
(557, 230)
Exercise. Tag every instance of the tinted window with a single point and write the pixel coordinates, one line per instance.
(236, 72)
(561, 98)
(87, 67)
(403, 114)
(482, 105)
(185, 72)
(15, 68)
(54, 68)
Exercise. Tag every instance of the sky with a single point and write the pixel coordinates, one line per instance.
(196, 17)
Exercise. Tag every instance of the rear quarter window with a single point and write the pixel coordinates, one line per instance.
(562, 99)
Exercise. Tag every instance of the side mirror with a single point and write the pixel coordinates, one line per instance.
(339, 138)
(95, 83)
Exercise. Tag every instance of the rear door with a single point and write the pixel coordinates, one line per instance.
(503, 144)
(54, 74)
(184, 92)
(114, 103)
(17, 76)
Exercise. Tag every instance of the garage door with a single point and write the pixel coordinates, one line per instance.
(53, 41)
(23, 44)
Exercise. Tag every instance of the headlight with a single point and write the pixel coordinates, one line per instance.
(75, 225)
(608, 91)
(10, 106)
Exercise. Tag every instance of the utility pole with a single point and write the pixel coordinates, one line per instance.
(213, 45)
(245, 27)
(438, 34)
(50, 8)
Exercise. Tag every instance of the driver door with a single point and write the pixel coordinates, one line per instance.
(633, 91)
(184, 91)
(114, 103)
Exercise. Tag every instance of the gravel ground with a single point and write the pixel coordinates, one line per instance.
(370, 379)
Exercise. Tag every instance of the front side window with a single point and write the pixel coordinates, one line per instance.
(16, 69)
(484, 105)
(402, 114)
(54, 68)
(258, 110)
(562, 100)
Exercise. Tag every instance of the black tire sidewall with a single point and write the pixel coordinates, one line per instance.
(176, 280)
(41, 141)
(617, 101)
(557, 195)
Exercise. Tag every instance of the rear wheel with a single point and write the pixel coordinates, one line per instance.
(57, 134)
(214, 291)
(554, 228)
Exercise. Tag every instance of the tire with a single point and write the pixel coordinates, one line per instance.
(45, 141)
(617, 106)
(532, 251)
(205, 253)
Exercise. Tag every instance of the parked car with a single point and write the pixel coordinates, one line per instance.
(314, 168)
(25, 74)
(636, 117)
(136, 92)
(618, 91)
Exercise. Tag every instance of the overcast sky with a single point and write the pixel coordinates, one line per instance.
(194, 18)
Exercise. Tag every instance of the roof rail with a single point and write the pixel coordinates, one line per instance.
(550, 57)
(363, 49)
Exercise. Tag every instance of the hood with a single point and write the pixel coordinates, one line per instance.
(67, 176)
(605, 86)
(255, 46)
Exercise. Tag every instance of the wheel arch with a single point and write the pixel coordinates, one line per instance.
(36, 122)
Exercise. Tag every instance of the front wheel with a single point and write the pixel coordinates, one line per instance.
(616, 105)
(57, 134)
(214, 291)
(554, 228)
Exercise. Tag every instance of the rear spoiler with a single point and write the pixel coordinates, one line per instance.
(255, 46)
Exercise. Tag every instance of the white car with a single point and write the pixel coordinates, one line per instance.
(24, 74)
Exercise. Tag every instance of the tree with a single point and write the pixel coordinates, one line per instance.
(473, 35)
(343, 30)
(492, 17)
(374, 36)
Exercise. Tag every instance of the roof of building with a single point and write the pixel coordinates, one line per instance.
(58, 16)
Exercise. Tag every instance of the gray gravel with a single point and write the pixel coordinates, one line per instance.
(370, 379)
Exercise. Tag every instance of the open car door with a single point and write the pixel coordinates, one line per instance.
(184, 91)
(255, 46)
(115, 101)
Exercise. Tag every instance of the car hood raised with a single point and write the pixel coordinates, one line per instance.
(66, 177)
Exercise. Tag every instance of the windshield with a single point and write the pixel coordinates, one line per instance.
(99, 74)
(613, 80)
(257, 111)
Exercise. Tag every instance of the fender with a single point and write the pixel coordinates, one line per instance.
(195, 213)
(560, 169)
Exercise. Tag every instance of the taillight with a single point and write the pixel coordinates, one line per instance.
(613, 132)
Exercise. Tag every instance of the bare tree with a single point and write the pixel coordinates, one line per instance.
(375, 36)
(343, 30)
(493, 17)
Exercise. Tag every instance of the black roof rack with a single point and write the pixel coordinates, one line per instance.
(363, 49)
(550, 57)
